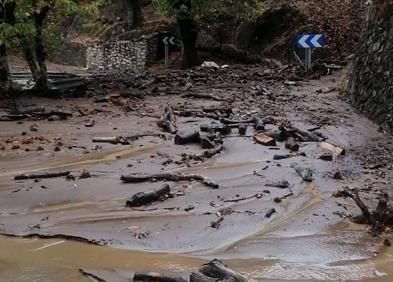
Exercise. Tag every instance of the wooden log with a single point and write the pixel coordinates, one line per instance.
(281, 157)
(214, 127)
(278, 135)
(143, 198)
(265, 140)
(291, 144)
(259, 125)
(213, 152)
(242, 129)
(137, 178)
(206, 143)
(304, 172)
(41, 175)
(338, 151)
(196, 276)
(217, 269)
(307, 135)
(167, 121)
(282, 184)
(186, 138)
(111, 139)
(156, 277)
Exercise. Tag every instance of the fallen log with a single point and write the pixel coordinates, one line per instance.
(259, 125)
(304, 172)
(112, 139)
(242, 129)
(307, 136)
(42, 175)
(186, 138)
(282, 184)
(291, 144)
(214, 127)
(213, 152)
(206, 143)
(199, 277)
(167, 121)
(217, 269)
(137, 178)
(338, 151)
(156, 277)
(281, 157)
(143, 198)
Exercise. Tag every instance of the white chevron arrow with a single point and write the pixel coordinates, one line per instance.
(315, 39)
(165, 40)
(303, 40)
(171, 40)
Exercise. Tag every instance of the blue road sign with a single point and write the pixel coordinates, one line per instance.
(309, 40)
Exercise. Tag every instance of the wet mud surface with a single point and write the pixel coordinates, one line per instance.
(306, 238)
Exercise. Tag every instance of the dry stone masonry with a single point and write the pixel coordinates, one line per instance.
(118, 56)
(370, 86)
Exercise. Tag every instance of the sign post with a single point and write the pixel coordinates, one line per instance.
(168, 40)
(307, 42)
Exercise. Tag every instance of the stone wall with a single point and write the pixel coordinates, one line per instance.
(370, 85)
(118, 56)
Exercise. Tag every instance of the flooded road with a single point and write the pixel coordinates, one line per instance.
(58, 226)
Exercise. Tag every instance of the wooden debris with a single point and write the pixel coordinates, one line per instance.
(137, 178)
(186, 138)
(41, 175)
(111, 139)
(265, 140)
(282, 184)
(281, 157)
(242, 129)
(304, 172)
(270, 212)
(217, 269)
(259, 125)
(143, 198)
(291, 144)
(156, 277)
(327, 156)
(206, 143)
(167, 121)
(217, 223)
(216, 127)
(212, 152)
(336, 150)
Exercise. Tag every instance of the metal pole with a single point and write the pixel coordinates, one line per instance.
(166, 55)
(307, 60)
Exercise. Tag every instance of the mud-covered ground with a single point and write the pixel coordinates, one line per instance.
(306, 238)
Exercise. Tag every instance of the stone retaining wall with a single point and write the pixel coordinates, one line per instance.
(121, 56)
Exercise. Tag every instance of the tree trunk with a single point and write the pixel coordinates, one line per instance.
(135, 13)
(7, 15)
(189, 34)
(370, 84)
(41, 79)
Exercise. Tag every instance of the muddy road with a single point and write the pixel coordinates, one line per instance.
(55, 226)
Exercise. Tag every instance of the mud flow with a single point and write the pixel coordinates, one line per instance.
(76, 227)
